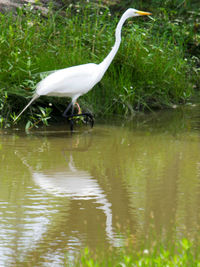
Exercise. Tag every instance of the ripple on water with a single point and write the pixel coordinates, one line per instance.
(103, 188)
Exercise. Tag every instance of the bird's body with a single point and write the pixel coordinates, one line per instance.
(78, 80)
(70, 82)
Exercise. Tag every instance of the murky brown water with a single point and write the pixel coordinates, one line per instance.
(136, 179)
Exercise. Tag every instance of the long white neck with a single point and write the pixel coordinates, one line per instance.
(106, 62)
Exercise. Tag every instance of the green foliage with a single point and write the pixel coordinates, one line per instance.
(3, 109)
(182, 255)
(41, 117)
(153, 67)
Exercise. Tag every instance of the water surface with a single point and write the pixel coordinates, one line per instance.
(123, 181)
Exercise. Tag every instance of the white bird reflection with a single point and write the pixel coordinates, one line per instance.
(72, 183)
(77, 184)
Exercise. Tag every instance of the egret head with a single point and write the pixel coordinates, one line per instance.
(131, 12)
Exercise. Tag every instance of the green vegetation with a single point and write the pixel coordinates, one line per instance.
(183, 255)
(156, 65)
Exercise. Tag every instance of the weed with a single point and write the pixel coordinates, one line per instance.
(182, 255)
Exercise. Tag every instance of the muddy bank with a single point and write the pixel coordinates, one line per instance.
(8, 5)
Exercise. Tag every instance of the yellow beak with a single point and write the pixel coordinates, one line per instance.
(142, 13)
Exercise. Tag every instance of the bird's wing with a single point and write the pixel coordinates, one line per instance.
(70, 81)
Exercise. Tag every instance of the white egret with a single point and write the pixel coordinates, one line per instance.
(78, 80)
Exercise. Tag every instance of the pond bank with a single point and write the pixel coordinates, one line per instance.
(9, 5)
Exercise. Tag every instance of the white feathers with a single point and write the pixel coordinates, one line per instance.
(68, 82)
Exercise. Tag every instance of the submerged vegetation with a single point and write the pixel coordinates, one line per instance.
(156, 64)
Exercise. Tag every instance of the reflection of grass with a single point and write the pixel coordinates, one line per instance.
(149, 70)
(184, 255)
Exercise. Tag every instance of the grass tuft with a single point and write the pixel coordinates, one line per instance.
(182, 255)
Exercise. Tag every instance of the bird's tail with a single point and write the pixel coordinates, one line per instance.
(34, 97)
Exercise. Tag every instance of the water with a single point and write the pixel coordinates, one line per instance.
(128, 181)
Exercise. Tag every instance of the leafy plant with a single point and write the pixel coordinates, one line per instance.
(182, 254)
(43, 117)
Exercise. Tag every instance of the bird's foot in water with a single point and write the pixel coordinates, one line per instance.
(88, 118)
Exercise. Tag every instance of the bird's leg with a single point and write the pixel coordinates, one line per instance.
(86, 114)
(67, 109)
(71, 105)
(72, 120)
(79, 109)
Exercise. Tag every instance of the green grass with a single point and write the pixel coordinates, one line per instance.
(181, 255)
(149, 71)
